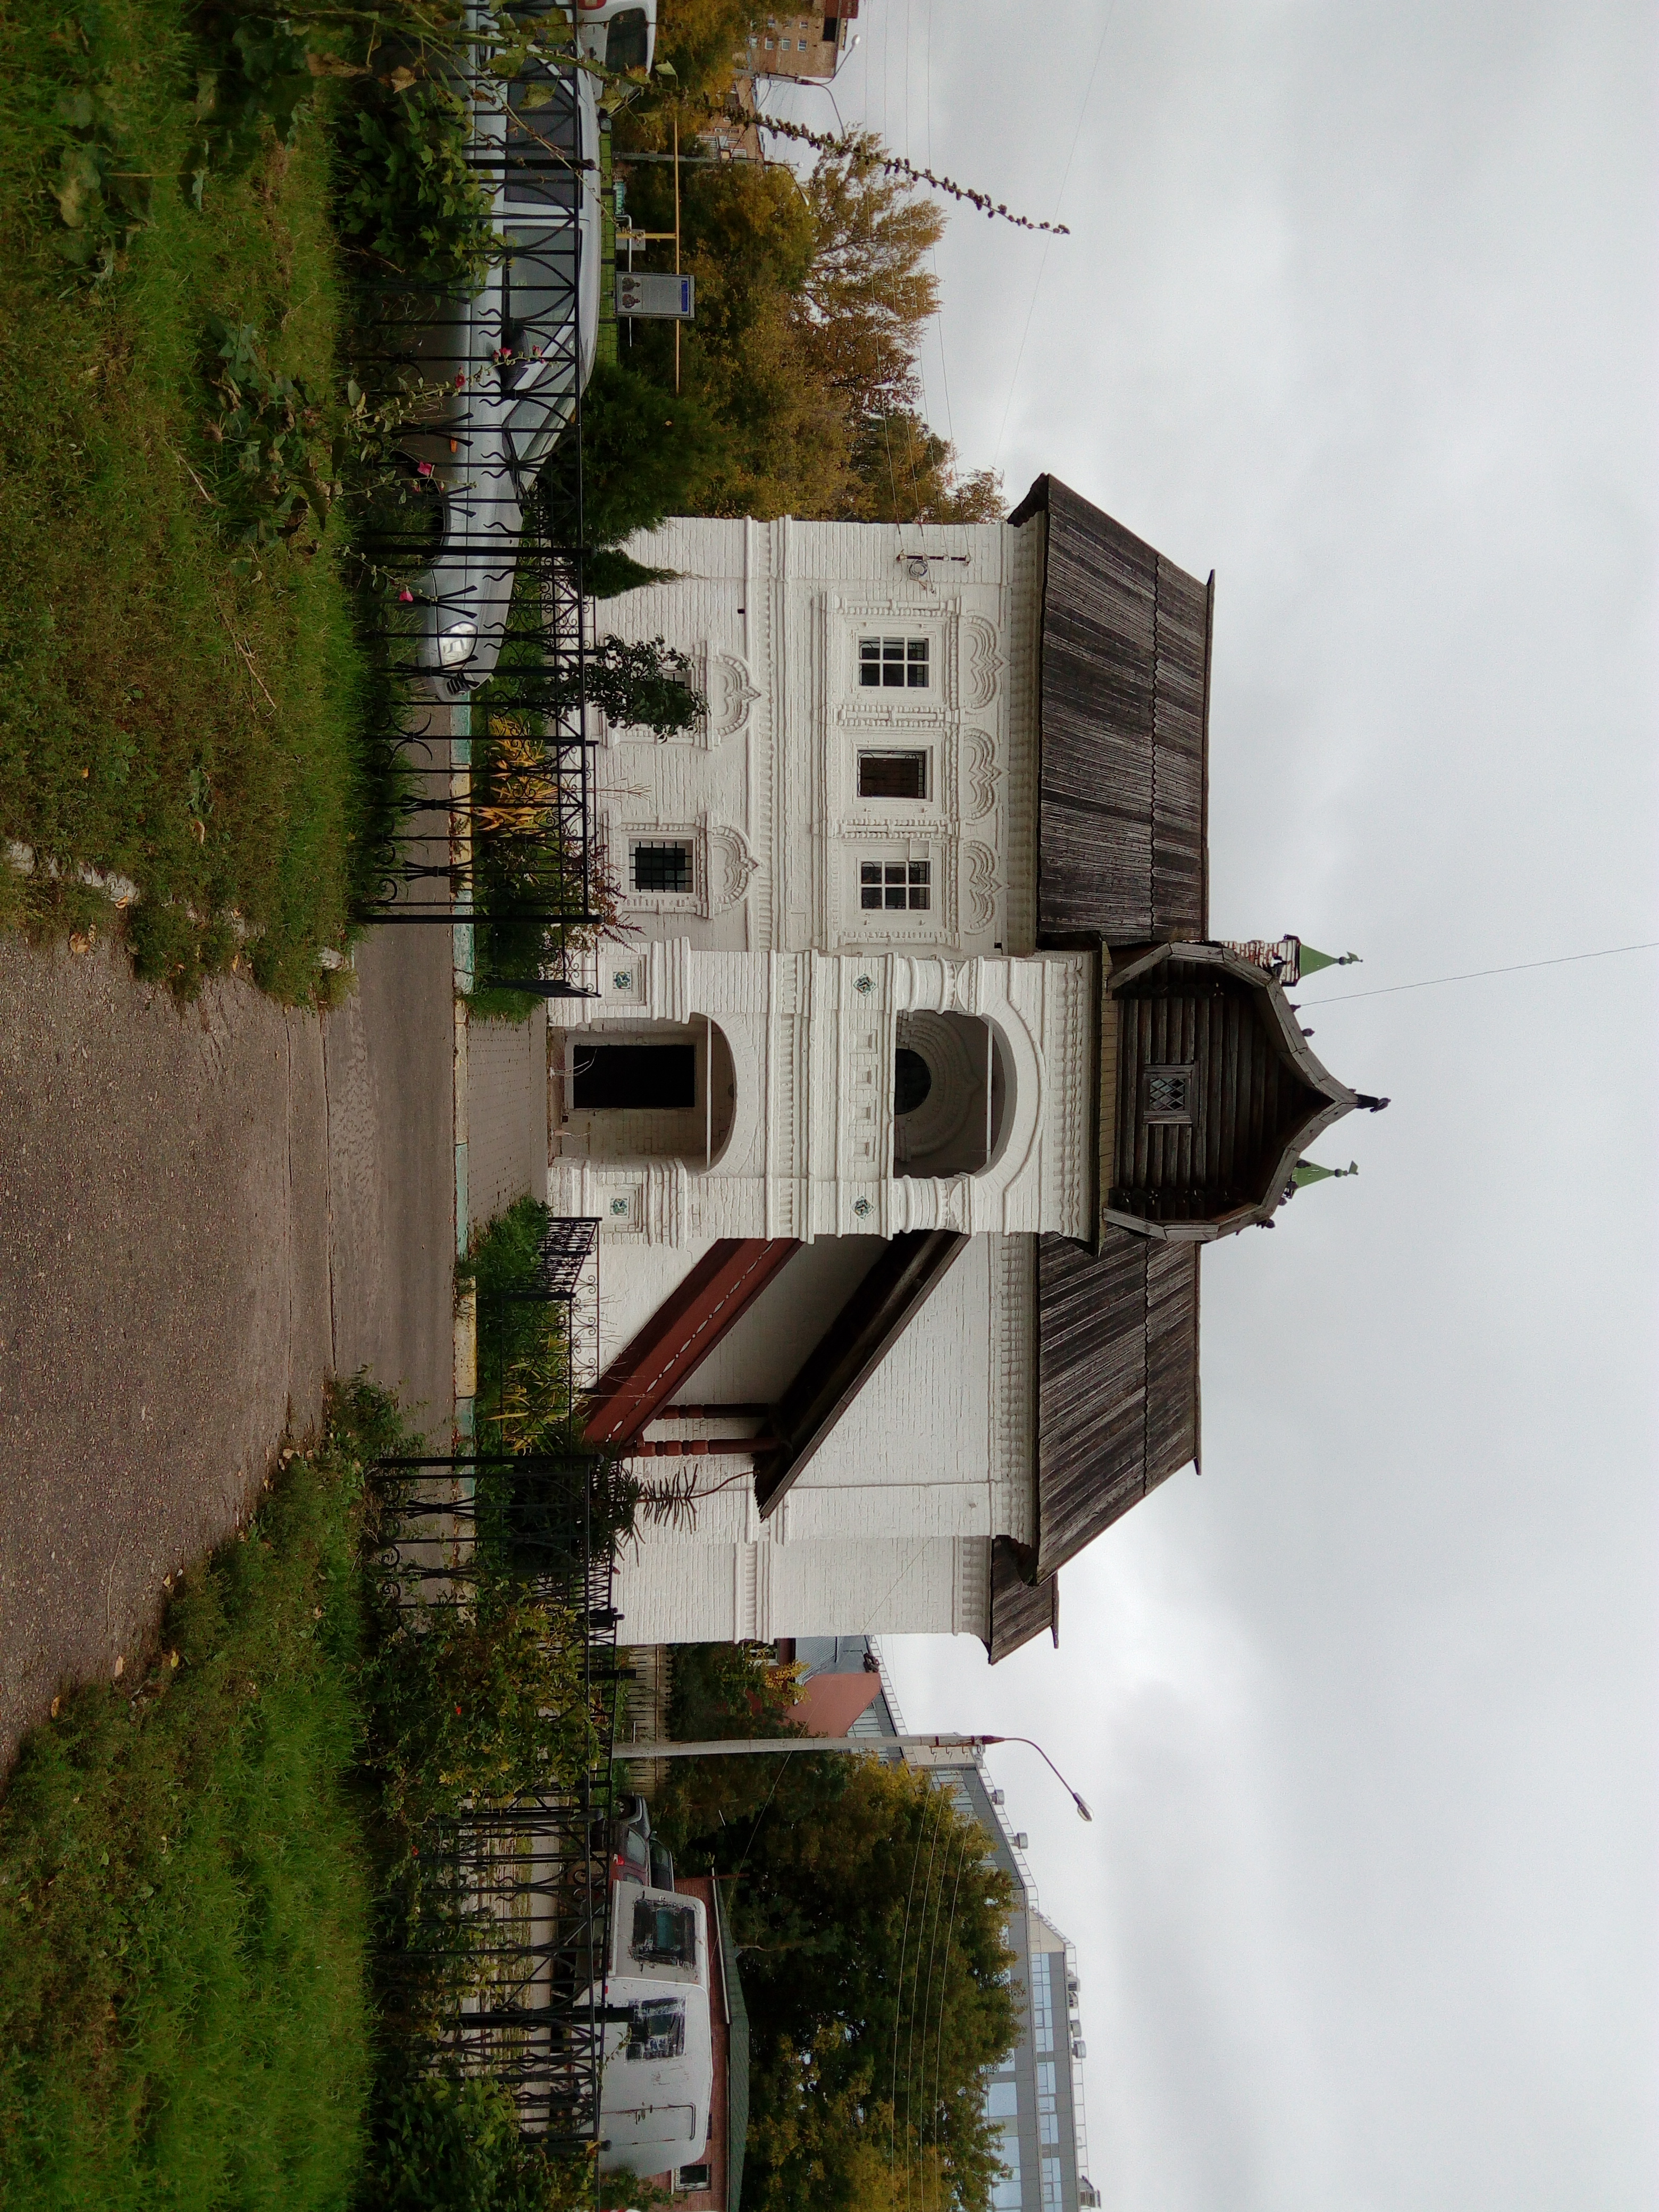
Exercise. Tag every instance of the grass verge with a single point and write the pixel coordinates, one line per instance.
(221, 1942)
(163, 714)
(186, 1889)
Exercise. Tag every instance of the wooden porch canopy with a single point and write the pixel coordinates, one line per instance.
(679, 1336)
(645, 1378)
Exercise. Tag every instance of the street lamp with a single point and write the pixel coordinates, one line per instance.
(739, 1747)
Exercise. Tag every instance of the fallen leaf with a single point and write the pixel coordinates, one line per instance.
(55, 1704)
(120, 1666)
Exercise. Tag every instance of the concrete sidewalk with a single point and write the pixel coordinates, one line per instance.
(202, 1215)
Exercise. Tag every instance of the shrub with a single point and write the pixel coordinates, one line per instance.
(451, 2144)
(405, 196)
(647, 453)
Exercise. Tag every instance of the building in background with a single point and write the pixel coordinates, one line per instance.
(1036, 2097)
(798, 45)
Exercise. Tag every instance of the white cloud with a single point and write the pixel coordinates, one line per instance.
(1359, 309)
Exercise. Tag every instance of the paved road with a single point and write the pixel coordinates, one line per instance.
(202, 1214)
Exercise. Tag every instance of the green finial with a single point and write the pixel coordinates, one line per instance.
(1312, 960)
(1307, 1171)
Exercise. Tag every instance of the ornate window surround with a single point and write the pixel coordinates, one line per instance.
(722, 865)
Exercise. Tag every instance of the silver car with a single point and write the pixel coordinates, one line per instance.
(515, 355)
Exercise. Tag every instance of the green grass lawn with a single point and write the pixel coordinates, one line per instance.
(185, 1896)
(162, 715)
(226, 1917)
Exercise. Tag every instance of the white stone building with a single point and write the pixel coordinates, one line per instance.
(914, 1089)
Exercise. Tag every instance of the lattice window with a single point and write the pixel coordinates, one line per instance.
(1168, 1092)
(895, 886)
(663, 867)
(893, 664)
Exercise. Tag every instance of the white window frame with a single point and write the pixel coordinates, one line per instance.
(888, 863)
(905, 635)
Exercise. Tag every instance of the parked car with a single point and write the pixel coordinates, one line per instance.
(621, 33)
(635, 1853)
(512, 357)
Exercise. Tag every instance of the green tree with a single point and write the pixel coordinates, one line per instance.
(867, 295)
(646, 453)
(907, 473)
(640, 682)
(870, 1925)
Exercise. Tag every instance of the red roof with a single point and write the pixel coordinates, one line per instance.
(829, 1704)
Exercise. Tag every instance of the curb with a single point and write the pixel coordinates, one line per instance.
(466, 1306)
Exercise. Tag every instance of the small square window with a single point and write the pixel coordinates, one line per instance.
(1168, 1092)
(664, 867)
(892, 776)
(893, 664)
(895, 886)
(690, 2177)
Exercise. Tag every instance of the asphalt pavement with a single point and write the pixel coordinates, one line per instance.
(203, 1213)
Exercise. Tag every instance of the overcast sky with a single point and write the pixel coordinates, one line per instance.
(1358, 309)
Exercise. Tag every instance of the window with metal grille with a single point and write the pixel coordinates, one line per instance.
(895, 886)
(656, 2029)
(1169, 1091)
(665, 867)
(893, 664)
(892, 776)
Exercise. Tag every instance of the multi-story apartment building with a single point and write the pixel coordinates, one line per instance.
(1036, 2097)
(799, 46)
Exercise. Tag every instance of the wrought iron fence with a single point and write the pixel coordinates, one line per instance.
(515, 1898)
(473, 545)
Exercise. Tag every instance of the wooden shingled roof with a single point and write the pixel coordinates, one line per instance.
(1123, 781)
(1123, 857)
(1117, 1409)
(1117, 1382)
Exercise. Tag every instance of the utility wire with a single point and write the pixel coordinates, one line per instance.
(1473, 974)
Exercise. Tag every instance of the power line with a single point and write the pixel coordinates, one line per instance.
(1473, 974)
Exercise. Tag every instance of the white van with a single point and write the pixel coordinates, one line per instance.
(658, 2069)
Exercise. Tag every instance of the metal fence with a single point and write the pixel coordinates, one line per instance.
(515, 1898)
(473, 536)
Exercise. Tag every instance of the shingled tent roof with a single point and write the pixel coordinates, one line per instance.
(1123, 779)
(1122, 857)
(1117, 1381)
